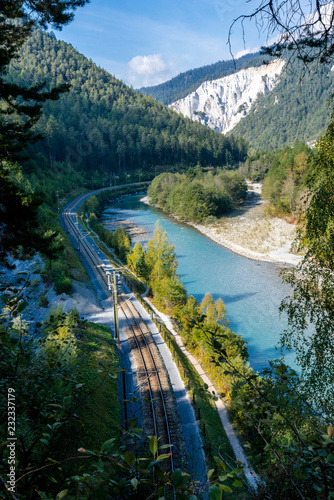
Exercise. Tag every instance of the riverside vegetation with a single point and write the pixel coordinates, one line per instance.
(284, 173)
(274, 410)
(196, 195)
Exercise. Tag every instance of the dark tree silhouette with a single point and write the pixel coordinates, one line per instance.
(302, 28)
(20, 107)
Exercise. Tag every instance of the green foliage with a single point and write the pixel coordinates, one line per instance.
(111, 129)
(121, 243)
(284, 173)
(319, 217)
(203, 326)
(310, 307)
(63, 392)
(24, 221)
(20, 106)
(126, 475)
(136, 261)
(310, 311)
(284, 184)
(63, 284)
(63, 264)
(257, 164)
(60, 342)
(196, 196)
(161, 265)
(288, 438)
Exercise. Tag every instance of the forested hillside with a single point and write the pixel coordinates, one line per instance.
(284, 173)
(185, 83)
(103, 125)
(298, 108)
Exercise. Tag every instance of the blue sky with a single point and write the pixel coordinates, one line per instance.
(147, 42)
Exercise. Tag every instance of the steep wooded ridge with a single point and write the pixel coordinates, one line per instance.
(104, 125)
(269, 111)
(185, 83)
(297, 108)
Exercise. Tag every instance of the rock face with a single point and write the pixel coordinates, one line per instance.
(221, 104)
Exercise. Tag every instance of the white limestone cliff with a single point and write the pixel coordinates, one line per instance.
(222, 103)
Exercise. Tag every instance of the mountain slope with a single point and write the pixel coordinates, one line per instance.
(296, 109)
(222, 103)
(274, 114)
(102, 125)
(187, 82)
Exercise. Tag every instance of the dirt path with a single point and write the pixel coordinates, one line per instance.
(251, 476)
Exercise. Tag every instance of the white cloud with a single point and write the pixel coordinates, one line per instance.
(148, 65)
(149, 70)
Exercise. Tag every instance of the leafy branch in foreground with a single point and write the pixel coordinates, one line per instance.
(310, 307)
(57, 375)
(291, 442)
(306, 29)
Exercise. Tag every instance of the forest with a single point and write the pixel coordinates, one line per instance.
(283, 174)
(196, 195)
(111, 131)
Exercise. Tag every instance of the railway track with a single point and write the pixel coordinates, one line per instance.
(151, 378)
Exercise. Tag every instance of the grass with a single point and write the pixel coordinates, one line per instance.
(97, 407)
(76, 268)
(100, 412)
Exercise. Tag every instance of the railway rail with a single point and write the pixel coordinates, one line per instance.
(157, 413)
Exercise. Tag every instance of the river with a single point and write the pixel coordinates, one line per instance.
(252, 291)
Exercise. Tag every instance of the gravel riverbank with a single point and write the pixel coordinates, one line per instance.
(249, 231)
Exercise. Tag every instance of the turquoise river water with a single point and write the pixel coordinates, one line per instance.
(252, 291)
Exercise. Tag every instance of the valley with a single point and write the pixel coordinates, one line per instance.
(250, 289)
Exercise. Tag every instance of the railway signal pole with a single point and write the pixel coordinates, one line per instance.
(112, 286)
(78, 231)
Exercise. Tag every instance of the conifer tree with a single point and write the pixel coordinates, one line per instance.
(20, 108)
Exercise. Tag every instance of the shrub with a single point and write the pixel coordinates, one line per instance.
(43, 300)
(63, 284)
